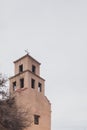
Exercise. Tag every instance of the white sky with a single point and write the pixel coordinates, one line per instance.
(55, 33)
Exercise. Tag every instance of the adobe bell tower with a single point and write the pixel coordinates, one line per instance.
(30, 90)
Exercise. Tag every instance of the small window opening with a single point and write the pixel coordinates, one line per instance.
(36, 119)
(33, 68)
(22, 83)
(14, 86)
(39, 87)
(20, 68)
(32, 83)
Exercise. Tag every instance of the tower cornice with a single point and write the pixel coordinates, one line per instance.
(25, 72)
(27, 55)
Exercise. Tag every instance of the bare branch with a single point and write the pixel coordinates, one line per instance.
(13, 117)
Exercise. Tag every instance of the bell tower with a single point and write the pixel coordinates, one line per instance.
(30, 90)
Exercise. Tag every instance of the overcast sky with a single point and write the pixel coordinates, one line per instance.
(55, 33)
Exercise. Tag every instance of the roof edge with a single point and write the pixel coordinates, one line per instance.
(27, 55)
(24, 72)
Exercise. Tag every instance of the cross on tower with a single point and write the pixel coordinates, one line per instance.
(27, 51)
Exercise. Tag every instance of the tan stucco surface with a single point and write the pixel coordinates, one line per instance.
(28, 97)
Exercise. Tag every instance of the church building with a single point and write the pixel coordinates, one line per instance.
(30, 89)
